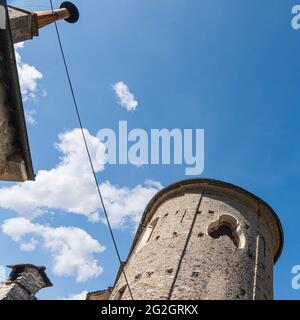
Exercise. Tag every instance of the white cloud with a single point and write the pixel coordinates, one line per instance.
(70, 187)
(29, 245)
(94, 217)
(125, 98)
(2, 274)
(28, 75)
(72, 249)
(125, 205)
(30, 116)
(79, 296)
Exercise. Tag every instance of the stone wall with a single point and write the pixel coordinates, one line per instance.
(209, 242)
(24, 282)
(15, 160)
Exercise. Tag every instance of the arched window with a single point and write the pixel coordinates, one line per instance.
(228, 226)
(147, 234)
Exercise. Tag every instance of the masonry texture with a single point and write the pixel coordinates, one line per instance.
(22, 24)
(24, 282)
(203, 239)
(15, 159)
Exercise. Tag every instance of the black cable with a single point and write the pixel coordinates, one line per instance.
(88, 151)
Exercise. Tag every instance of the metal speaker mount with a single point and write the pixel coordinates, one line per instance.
(73, 10)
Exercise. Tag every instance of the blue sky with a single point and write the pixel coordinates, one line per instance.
(229, 67)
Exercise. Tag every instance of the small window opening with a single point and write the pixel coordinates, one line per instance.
(120, 293)
(228, 226)
(150, 230)
(224, 231)
(147, 234)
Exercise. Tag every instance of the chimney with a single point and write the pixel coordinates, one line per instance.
(24, 282)
(26, 24)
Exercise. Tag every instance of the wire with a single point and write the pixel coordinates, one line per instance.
(88, 150)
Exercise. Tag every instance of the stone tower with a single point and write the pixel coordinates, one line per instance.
(24, 282)
(203, 239)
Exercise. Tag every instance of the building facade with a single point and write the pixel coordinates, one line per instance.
(202, 239)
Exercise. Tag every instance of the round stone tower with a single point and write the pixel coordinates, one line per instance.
(203, 239)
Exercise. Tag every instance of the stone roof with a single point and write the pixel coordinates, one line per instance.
(206, 183)
(17, 269)
(99, 295)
